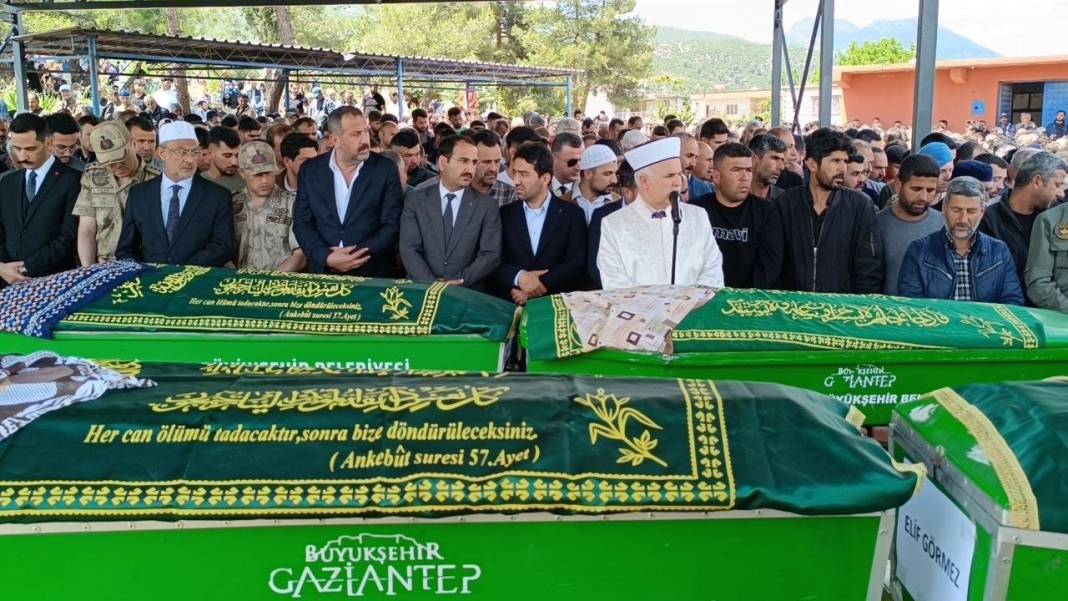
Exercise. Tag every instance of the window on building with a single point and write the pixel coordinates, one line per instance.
(732, 109)
(1027, 98)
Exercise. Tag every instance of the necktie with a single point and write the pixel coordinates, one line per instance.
(172, 213)
(448, 216)
(563, 190)
(31, 187)
(659, 215)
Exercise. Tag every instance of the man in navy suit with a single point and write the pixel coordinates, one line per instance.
(543, 248)
(37, 229)
(346, 216)
(178, 218)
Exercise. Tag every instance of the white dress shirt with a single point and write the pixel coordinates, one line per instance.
(535, 219)
(165, 193)
(557, 184)
(41, 172)
(342, 189)
(459, 194)
(635, 248)
(589, 206)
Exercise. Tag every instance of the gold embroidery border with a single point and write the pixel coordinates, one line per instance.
(1030, 339)
(563, 329)
(612, 490)
(421, 327)
(726, 443)
(801, 339)
(1023, 506)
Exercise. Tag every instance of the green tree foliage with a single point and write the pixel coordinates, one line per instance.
(887, 51)
(602, 38)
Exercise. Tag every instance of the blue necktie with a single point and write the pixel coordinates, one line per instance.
(31, 187)
(172, 213)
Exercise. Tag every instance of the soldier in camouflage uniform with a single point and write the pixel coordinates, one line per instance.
(263, 215)
(105, 186)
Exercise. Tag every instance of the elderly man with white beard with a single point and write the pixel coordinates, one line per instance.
(636, 241)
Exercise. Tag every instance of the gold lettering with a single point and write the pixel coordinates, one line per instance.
(250, 287)
(392, 399)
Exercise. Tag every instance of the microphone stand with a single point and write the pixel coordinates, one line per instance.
(676, 218)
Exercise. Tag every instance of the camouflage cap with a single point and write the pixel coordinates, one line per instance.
(257, 157)
(108, 141)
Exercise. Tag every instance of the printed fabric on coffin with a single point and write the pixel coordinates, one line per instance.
(34, 307)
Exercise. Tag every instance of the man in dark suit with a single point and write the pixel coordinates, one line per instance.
(178, 218)
(38, 233)
(628, 191)
(450, 232)
(346, 216)
(543, 249)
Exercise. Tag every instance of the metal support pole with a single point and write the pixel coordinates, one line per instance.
(826, 61)
(94, 75)
(18, 53)
(570, 93)
(926, 42)
(798, 99)
(789, 71)
(776, 65)
(285, 90)
(400, 88)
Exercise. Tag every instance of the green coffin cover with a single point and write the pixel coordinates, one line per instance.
(1010, 439)
(757, 320)
(218, 444)
(174, 298)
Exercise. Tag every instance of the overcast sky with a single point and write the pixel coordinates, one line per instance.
(1017, 28)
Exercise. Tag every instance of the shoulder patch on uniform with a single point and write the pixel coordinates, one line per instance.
(1062, 230)
(99, 176)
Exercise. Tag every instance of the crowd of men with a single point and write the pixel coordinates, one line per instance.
(522, 211)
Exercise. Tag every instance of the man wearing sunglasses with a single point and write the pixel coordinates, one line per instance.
(567, 152)
(178, 218)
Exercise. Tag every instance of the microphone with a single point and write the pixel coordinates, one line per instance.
(675, 215)
(676, 218)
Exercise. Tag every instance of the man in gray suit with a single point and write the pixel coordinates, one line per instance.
(449, 232)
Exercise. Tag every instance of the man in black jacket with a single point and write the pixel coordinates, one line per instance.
(178, 218)
(543, 248)
(831, 238)
(1038, 182)
(37, 230)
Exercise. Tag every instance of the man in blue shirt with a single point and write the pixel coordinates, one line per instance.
(543, 249)
(688, 156)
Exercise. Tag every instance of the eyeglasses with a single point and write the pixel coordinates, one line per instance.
(570, 162)
(183, 153)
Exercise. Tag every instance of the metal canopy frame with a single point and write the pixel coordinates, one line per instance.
(823, 27)
(94, 45)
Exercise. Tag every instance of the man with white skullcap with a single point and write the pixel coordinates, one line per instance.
(636, 241)
(597, 179)
(178, 218)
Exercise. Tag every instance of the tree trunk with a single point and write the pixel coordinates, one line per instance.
(285, 32)
(175, 28)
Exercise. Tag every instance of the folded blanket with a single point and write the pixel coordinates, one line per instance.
(34, 307)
